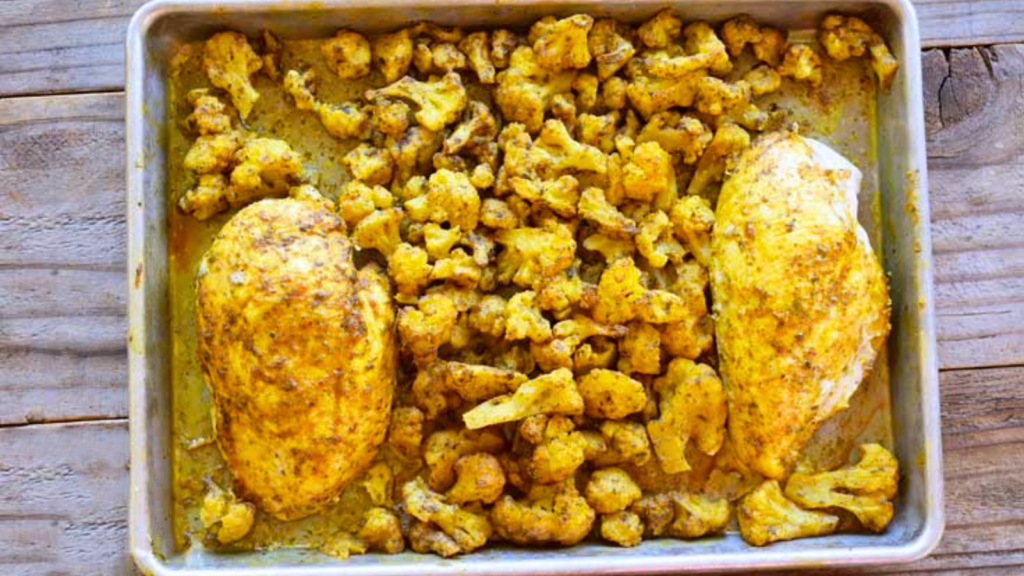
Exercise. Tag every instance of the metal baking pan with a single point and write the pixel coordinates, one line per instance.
(902, 182)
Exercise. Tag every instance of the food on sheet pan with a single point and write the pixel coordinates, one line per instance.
(455, 287)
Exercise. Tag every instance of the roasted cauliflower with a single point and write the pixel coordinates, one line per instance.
(766, 515)
(549, 514)
(691, 405)
(552, 393)
(229, 62)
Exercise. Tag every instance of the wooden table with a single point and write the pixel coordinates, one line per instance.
(63, 385)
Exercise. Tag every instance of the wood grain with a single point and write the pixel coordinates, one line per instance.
(67, 508)
(62, 258)
(53, 46)
(976, 167)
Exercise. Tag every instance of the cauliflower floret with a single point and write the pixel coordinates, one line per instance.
(677, 134)
(469, 530)
(393, 53)
(475, 133)
(405, 432)
(562, 44)
(560, 452)
(586, 86)
(473, 383)
(424, 329)
(766, 515)
(701, 39)
(209, 115)
(347, 54)
(560, 196)
(208, 197)
(594, 206)
(265, 167)
(601, 353)
(608, 42)
(564, 153)
(524, 320)
(356, 200)
(640, 349)
(691, 406)
(560, 293)
(368, 164)
(440, 102)
(613, 93)
(611, 490)
(696, 515)
(525, 90)
(692, 220)
(618, 292)
(382, 531)
(379, 230)
(478, 51)
(648, 173)
(496, 214)
(568, 335)
(425, 539)
(552, 393)
(623, 528)
(235, 518)
(848, 36)
(346, 120)
(378, 482)
(213, 153)
(229, 61)
(439, 241)
(865, 489)
(626, 443)
(597, 131)
(444, 448)
(533, 255)
(550, 514)
(412, 152)
(437, 57)
(503, 43)
(612, 395)
(656, 241)
(729, 140)
(391, 116)
(480, 479)
(450, 198)
(610, 247)
(661, 30)
(802, 62)
(409, 267)
(488, 316)
(768, 43)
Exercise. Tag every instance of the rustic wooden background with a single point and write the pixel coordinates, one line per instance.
(63, 385)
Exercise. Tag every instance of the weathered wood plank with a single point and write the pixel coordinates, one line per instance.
(66, 509)
(976, 151)
(62, 254)
(52, 47)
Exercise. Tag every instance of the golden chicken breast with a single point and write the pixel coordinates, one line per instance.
(801, 302)
(298, 349)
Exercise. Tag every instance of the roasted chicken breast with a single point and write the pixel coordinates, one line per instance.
(801, 302)
(297, 347)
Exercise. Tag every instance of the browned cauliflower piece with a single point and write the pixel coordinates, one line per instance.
(229, 62)
(214, 152)
(480, 479)
(378, 482)
(369, 164)
(600, 353)
(561, 450)
(594, 206)
(422, 330)
(264, 167)
(208, 197)
(691, 406)
(610, 45)
(623, 528)
(477, 49)
(650, 94)
(677, 134)
(439, 241)
(356, 200)
(766, 515)
(425, 538)
(622, 296)
(380, 231)
(488, 316)
(435, 386)
(728, 141)
(703, 50)
(597, 131)
(209, 115)
(475, 133)
(444, 448)
(611, 247)
(550, 514)
(696, 515)
(450, 198)
(611, 490)
(412, 152)
(613, 93)
(865, 489)
(612, 395)
(648, 173)
(381, 531)
(347, 54)
(503, 43)
(525, 89)
(626, 443)
(568, 336)
(405, 432)
(391, 116)
(557, 151)
(440, 102)
(692, 220)
(656, 240)
(848, 36)
(661, 30)
(802, 63)
(523, 319)
(640, 349)
(552, 393)
(437, 57)
(767, 43)
(586, 87)
(393, 53)
(560, 196)
(562, 44)
(468, 529)
(532, 255)
(232, 518)
(346, 120)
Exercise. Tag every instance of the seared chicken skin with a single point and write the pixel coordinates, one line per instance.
(801, 301)
(298, 349)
